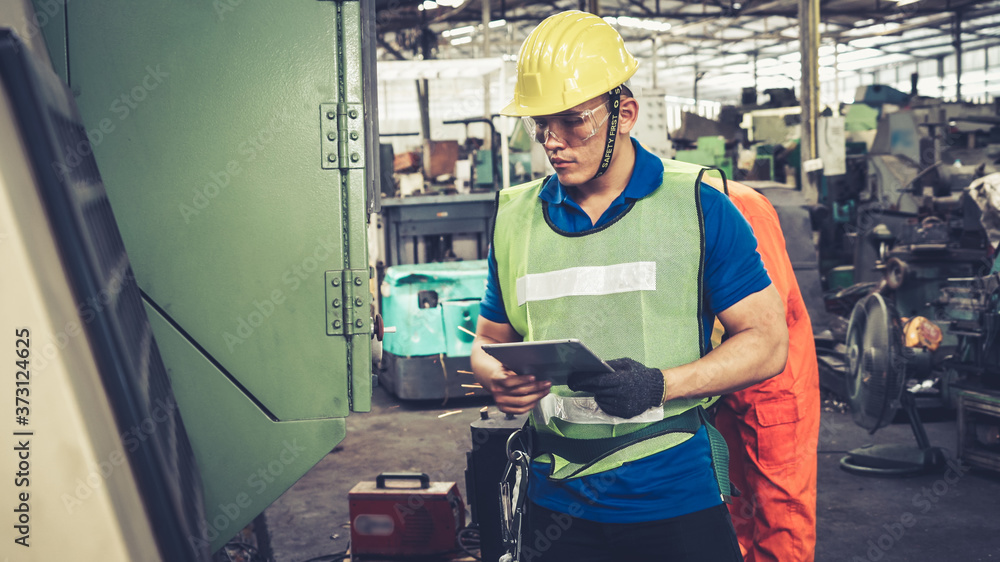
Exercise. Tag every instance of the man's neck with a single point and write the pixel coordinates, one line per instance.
(596, 195)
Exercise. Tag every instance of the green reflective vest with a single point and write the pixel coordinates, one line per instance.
(631, 288)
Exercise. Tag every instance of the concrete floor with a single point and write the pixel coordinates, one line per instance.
(943, 517)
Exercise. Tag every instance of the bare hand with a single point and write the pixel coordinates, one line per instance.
(516, 394)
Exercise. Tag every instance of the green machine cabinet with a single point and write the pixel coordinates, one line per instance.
(711, 152)
(236, 144)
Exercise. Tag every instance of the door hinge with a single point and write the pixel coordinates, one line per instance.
(342, 126)
(348, 302)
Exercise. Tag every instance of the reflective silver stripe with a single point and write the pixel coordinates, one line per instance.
(587, 280)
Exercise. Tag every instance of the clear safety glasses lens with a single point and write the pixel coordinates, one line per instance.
(572, 129)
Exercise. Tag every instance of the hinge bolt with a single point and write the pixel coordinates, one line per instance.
(336, 323)
(359, 322)
(358, 302)
(331, 136)
(331, 115)
(357, 281)
(335, 282)
(353, 113)
(331, 157)
(336, 303)
(355, 157)
(354, 135)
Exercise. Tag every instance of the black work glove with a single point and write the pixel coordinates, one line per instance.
(629, 391)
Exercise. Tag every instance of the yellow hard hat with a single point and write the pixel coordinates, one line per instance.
(569, 58)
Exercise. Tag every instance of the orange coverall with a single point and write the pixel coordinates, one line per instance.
(772, 428)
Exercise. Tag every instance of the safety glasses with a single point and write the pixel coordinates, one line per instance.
(570, 128)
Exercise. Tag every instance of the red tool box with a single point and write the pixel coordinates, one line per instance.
(405, 514)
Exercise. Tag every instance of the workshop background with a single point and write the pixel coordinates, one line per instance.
(249, 242)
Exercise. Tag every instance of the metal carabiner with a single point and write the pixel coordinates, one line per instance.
(516, 434)
(512, 499)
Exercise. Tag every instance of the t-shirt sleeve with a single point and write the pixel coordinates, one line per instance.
(733, 268)
(491, 307)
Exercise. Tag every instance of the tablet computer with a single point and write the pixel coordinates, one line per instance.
(551, 360)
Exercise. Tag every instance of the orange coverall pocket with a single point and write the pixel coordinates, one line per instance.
(777, 443)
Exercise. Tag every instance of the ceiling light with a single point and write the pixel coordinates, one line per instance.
(428, 5)
(872, 63)
(859, 54)
(458, 31)
(497, 23)
(648, 25)
(869, 27)
(461, 41)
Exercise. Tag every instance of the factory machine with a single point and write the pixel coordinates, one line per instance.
(920, 287)
(186, 191)
(432, 270)
(433, 307)
(908, 218)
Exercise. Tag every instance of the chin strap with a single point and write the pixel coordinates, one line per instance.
(609, 143)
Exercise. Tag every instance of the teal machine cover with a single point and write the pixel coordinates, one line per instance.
(434, 308)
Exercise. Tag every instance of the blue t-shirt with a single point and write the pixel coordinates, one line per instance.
(679, 480)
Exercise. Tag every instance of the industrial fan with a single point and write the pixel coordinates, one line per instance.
(876, 390)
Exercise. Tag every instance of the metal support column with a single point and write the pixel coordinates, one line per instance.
(487, 137)
(504, 137)
(423, 93)
(655, 58)
(836, 75)
(809, 46)
(694, 93)
(956, 41)
(940, 69)
(423, 104)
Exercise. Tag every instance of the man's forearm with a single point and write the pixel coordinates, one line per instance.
(756, 350)
(482, 363)
(513, 394)
(741, 361)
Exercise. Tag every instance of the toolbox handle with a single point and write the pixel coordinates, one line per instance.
(425, 481)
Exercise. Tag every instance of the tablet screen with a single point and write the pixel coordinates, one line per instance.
(551, 360)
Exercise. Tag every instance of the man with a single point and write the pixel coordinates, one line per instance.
(634, 256)
(772, 428)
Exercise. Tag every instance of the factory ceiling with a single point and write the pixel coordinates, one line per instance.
(710, 38)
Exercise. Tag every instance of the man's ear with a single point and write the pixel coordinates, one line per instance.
(628, 114)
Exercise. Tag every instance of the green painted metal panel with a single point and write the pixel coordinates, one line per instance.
(213, 122)
(50, 21)
(206, 123)
(243, 474)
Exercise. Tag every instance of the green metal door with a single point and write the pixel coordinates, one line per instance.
(232, 138)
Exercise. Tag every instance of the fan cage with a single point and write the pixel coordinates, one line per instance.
(876, 362)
